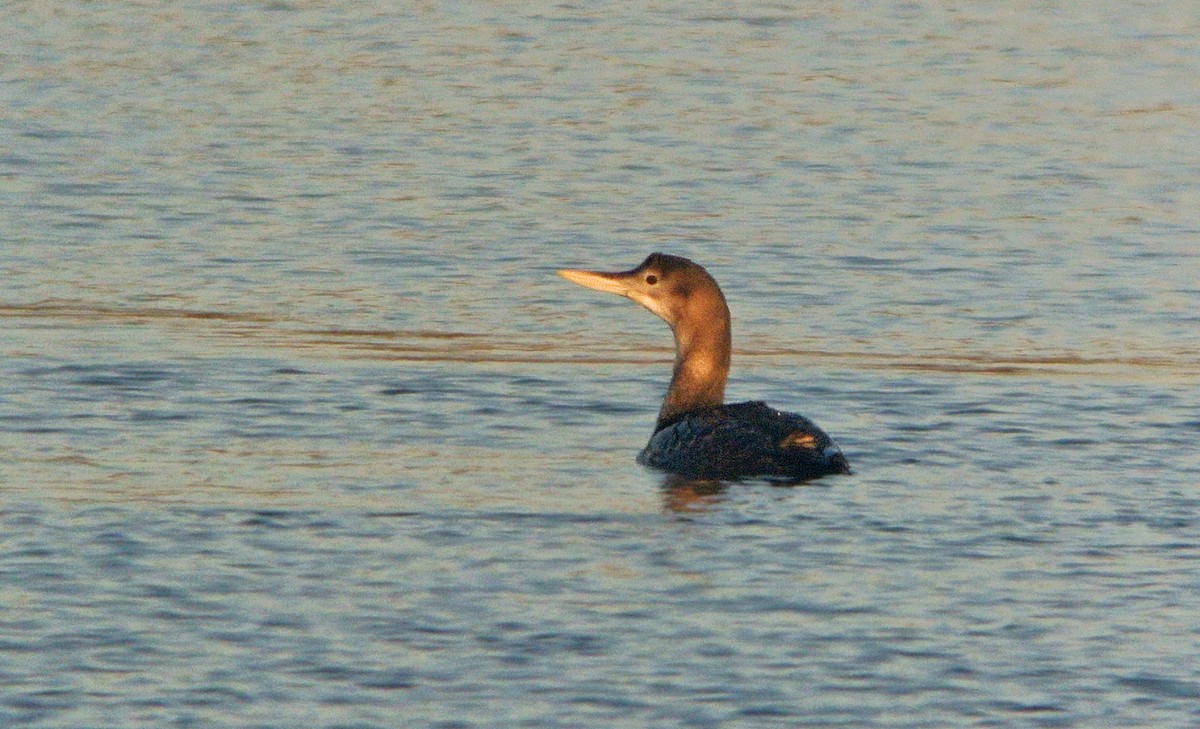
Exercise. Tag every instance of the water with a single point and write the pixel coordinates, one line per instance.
(300, 429)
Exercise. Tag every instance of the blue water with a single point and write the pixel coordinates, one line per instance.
(300, 428)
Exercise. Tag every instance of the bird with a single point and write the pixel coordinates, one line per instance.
(697, 435)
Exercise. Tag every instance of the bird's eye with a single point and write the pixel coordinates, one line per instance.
(652, 279)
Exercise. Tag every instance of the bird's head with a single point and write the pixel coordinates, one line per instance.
(672, 287)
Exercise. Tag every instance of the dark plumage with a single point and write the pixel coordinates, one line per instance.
(697, 436)
(744, 440)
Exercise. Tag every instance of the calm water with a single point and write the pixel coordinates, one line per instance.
(300, 429)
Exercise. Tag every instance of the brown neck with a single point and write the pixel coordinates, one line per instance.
(702, 350)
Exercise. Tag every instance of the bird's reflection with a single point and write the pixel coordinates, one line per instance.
(687, 495)
(694, 496)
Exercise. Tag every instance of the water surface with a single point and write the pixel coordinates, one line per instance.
(300, 429)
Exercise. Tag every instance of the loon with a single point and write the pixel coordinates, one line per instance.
(697, 435)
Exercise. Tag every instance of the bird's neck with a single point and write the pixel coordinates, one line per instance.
(702, 350)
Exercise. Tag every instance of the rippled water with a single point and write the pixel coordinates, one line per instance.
(300, 429)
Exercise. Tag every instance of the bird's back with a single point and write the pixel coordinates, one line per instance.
(743, 440)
